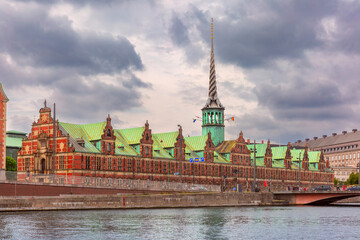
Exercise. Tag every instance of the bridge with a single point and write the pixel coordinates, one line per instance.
(314, 198)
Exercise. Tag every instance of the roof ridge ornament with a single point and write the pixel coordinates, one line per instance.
(212, 101)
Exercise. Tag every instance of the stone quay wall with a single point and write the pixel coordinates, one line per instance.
(123, 201)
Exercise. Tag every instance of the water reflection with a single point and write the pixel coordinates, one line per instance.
(195, 223)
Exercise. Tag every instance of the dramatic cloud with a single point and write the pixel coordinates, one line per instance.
(286, 70)
(83, 70)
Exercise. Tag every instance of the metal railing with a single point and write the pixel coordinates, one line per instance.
(100, 182)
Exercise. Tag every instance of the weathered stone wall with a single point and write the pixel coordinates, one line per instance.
(135, 201)
(12, 189)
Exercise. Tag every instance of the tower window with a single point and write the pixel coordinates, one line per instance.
(108, 133)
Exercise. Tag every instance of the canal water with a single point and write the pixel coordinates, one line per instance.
(190, 223)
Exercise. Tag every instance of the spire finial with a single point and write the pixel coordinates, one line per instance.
(45, 103)
(212, 33)
(213, 100)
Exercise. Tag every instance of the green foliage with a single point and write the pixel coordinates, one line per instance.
(336, 182)
(11, 164)
(353, 179)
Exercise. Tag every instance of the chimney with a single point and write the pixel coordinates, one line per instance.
(344, 132)
(334, 134)
(248, 141)
(315, 138)
(324, 136)
(262, 141)
(354, 130)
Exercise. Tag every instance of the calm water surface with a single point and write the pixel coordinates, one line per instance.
(194, 223)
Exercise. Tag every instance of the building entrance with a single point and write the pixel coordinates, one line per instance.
(42, 167)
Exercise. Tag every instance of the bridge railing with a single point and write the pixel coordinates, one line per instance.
(100, 182)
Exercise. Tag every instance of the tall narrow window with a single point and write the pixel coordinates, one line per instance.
(27, 163)
(61, 162)
(109, 160)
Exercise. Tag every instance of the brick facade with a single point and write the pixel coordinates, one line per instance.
(3, 101)
(36, 157)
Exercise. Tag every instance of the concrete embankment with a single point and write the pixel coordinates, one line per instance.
(68, 202)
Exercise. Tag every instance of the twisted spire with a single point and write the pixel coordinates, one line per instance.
(213, 100)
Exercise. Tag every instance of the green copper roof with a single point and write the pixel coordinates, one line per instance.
(158, 150)
(314, 156)
(13, 142)
(197, 142)
(295, 154)
(94, 130)
(74, 130)
(220, 159)
(279, 152)
(167, 140)
(132, 135)
(260, 150)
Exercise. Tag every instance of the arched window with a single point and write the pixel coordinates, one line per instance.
(147, 137)
(108, 133)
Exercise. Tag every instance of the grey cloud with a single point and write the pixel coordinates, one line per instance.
(277, 30)
(178, 31)
(35, 38)
(96, 99)
(46, 51)
(237, 90)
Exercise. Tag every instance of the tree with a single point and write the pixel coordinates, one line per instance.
(336, 182)
(353, 179)
(11, 164)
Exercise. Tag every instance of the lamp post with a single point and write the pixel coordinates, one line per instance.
(299, 170)
(180, 155)
(358, 165)
(254, 182)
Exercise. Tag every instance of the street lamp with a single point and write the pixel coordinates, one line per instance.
(358, 165)
(254, 182)
(299, 170)
(180, 156)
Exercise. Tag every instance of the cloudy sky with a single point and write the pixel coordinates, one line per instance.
(286, 69)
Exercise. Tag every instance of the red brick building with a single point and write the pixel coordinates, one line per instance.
(3, 101)
(99, 150)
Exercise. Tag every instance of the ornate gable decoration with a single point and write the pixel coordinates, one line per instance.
(268, 152)
(288, 157)
(209, 149)
(146, 136)
(209, 146)
(305, 163)
(108, 130)
(180, 146)
(268, 155)
(146, 142)
(108, 138)
(240, 146)
(288, 151)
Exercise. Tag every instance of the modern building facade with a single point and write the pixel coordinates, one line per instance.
(3, 102)
(13, 143)
(342, 151)
(98, 150)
